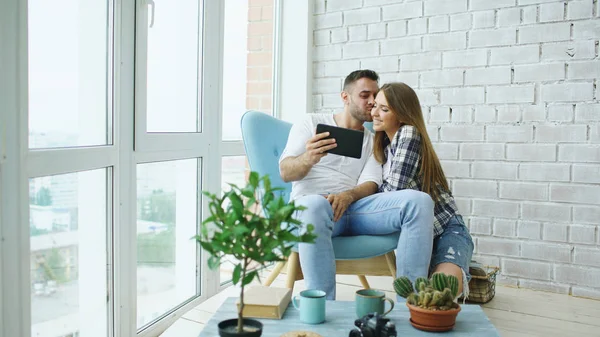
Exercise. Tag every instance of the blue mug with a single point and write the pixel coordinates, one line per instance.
(311, 306)
(370, 301)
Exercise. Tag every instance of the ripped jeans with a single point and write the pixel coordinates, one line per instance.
(455, 246)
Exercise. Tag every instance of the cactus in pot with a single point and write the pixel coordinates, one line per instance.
(431, 302)
(438, 293)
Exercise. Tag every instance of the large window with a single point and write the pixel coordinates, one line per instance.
(125, 111)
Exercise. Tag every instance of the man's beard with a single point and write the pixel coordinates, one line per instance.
(359, 114)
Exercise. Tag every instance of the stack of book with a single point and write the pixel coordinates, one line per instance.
(266, 302)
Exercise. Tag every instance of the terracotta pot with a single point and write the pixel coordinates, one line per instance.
(432, 320)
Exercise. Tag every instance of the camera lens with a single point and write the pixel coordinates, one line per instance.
(355, 333)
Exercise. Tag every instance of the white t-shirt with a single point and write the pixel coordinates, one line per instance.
(334, 173)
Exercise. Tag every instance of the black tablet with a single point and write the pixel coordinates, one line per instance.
(349, 142)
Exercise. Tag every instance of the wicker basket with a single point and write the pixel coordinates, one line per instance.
(482, 288)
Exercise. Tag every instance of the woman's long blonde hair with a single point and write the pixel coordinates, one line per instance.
(404, 104)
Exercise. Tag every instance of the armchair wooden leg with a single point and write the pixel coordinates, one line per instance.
(273, 275)
(363, 281)
(390, 258)
(292, 272)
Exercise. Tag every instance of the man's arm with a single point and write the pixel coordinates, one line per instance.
(363, 190)
(340, 202)
(296, 168)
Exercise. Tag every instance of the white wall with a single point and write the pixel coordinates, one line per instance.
(509, 89)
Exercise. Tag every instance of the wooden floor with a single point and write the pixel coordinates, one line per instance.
(514, 312)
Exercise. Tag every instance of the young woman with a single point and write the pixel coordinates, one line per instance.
(409, 161)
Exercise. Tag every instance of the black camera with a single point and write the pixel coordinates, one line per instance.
(373, 325)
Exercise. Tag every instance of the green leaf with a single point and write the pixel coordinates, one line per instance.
(210, 219)
(285, 211)
(207, 246)
(214, 262)
(253, 179)
(236, 202)
(233, 186)
(248, 192)
(249, 277)
(209, 195)
(267, 184)
(231, 219)
(237, 272)
(240, 230)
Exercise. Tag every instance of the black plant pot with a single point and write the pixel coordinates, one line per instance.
(228, 328)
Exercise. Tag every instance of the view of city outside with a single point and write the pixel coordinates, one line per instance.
(167, 198)
(69, 244)
(70, 80)
(68, 106)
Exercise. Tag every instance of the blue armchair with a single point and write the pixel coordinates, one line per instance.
(265, 138)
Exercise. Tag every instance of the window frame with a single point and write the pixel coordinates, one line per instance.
(15, 313)
(18, 163)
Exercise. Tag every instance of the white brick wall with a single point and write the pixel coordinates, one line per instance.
(510, 94)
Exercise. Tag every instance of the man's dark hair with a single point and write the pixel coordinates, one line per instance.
(358, 74)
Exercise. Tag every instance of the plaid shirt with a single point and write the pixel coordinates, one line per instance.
(405, 164)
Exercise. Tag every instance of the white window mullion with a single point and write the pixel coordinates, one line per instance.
(169, 141)
(277, 33)
(15, 307)
(176, 154)
(212, 94)
(140, 20)
(124, 176)
(67, 160)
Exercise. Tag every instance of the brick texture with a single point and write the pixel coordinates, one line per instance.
(259, 73)
(510, 92)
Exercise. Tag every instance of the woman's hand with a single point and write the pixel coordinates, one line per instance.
(340, 202)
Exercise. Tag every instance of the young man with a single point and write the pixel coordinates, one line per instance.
(339, 192)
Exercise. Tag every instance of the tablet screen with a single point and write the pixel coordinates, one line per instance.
(349, 142)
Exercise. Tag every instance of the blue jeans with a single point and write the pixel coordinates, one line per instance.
(455, 246)
(409, 212)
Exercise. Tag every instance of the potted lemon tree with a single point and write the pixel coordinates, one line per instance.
(234, 229)
(431, 301)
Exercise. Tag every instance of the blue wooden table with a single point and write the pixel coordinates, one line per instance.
(340, 316)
